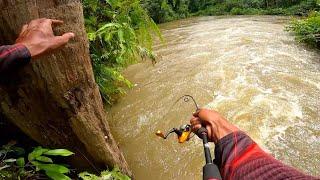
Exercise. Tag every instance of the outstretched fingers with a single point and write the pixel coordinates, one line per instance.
(62, 40)
(52, 22)
(56, 21)
(47, 24)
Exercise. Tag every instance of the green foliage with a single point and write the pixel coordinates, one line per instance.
(58, 152)
(37, 165)
(14, 166)
(250, 7)
(120, 33)
(115, 174)
(165, 10)
(307, 30)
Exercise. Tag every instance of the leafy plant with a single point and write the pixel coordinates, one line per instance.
(14, 165)
(307, 30)
(120, 33)
(115, 174)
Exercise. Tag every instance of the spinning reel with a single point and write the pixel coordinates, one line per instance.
(210, 170)
(183, 133)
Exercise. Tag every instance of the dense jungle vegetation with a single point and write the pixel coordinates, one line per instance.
(167, 10)
(120, 33)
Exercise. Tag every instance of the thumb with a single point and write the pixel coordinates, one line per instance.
(59, 41)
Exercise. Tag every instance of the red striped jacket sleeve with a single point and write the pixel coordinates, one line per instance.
(13, 57)
(239, 157)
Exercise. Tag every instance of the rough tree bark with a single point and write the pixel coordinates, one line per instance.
(55, 99)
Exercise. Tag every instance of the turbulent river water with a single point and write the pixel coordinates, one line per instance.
(247, 68)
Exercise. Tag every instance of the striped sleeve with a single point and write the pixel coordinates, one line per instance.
(239, 157)
(13, 57)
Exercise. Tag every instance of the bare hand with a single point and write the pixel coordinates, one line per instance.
(38, 37)
(217, 126)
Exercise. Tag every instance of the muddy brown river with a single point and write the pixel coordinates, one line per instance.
(247, 68)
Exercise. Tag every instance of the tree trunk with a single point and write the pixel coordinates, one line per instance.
(55, 99)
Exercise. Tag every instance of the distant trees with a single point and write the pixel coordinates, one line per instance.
(196, 5)
(167, 10)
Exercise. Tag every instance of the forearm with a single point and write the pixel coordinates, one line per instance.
(239, 157)
(13, 57)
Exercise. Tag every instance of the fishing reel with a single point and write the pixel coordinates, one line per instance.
(210, 169)
(183, 133)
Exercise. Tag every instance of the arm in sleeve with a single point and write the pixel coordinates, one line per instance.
(13, 57)
(239, 157)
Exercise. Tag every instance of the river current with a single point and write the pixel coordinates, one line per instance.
(246, 67)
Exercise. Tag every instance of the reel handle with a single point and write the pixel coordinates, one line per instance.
(210, 170)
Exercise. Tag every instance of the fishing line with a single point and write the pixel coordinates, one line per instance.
(186, 98)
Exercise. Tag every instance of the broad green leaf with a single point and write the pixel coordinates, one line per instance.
(56, 176)
(59, 152)
(44, 159)
(20, 162)
(10, 160)
(38, 151)
(53, 168)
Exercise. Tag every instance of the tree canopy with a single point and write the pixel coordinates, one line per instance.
(167, 10)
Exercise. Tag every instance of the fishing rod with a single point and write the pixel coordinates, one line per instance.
(210, 169)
